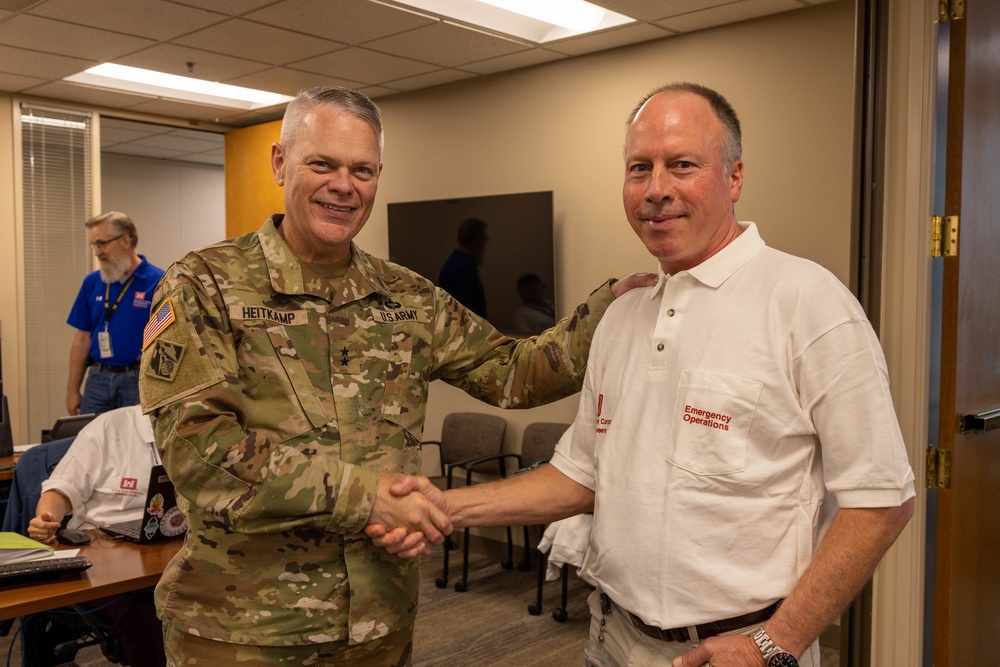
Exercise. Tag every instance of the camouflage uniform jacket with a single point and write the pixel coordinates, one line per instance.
(278, 398)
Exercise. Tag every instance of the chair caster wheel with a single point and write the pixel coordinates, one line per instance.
(461, 586)
(441, 582)
(534, 609)
(506, 564)
(560, 615)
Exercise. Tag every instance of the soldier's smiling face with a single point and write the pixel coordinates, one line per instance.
(330, 174)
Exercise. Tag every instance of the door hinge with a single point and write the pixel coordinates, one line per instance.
(951, 9)
(944, 236)
(938, 475)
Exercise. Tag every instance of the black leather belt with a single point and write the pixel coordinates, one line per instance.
(117, 369)
(705, 630)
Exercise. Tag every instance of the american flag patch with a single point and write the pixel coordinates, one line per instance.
(160, 320)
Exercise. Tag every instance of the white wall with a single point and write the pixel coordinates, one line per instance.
(176, 206)
(560, 127)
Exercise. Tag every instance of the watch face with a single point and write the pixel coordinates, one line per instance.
(782, 660)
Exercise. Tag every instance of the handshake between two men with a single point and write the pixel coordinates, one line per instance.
(410, 514)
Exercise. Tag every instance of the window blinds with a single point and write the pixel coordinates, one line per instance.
(57, 184)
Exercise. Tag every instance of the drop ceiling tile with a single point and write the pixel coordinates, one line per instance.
(41, 34)
(369, 67)
(431, 79)
(447, 45)
(173, 59)
(182, 110)
(535, 56)
(376, 92)
(725, 14)
(228, 7)
(16, 5)
(609, 39)
(208, 139)
(289, 81)
(43, 65)
(246, 39)
(145, 18)
(205, 158)
(144, 151)
(325, 18)
(119, 131)
(15, 82)
(98, 97)
(4, 14)
(247, 118)
(174, 142)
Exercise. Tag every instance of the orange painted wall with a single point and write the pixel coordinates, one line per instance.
(251, 193)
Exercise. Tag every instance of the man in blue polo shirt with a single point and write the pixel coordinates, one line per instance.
(109, 314)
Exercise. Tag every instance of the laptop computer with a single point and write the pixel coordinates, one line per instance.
(161, 518)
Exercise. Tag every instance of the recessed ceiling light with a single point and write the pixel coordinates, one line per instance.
(171, 86)
(538, 21)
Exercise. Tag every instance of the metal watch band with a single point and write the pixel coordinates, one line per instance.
(774, 655)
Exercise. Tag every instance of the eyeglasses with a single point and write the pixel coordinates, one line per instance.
(101, 245)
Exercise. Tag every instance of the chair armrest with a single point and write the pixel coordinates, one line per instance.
(436, 443)
(469, 464)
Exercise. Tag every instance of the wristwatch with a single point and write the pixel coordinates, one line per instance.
(774, 655)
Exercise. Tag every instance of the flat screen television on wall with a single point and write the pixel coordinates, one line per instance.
(505, 239)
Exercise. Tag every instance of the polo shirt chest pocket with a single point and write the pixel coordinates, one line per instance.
(711, 422)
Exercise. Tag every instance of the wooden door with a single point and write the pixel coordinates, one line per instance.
(967, 590)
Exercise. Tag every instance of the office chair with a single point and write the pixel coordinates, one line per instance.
(470, 441)
(537, 446)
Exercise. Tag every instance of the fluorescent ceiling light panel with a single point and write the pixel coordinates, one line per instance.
(537, 21)
(171, 86)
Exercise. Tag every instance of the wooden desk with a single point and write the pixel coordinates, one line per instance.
(7, 467)
(118, 567)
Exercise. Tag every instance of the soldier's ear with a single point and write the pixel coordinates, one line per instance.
(278, 163)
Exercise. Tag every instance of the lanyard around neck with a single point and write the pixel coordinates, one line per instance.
(110, 310)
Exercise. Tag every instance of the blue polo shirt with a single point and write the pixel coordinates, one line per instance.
(128, 320)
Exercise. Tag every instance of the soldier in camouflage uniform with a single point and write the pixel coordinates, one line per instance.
(287, 373)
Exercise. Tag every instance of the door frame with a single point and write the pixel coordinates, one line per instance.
(898, 593)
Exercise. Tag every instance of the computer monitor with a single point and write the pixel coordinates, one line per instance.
(66, 427)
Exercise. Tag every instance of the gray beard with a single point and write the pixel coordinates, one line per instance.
(115, 269)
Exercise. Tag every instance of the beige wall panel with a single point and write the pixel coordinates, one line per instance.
(560, 127)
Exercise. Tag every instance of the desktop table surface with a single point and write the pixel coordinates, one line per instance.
(118, 567)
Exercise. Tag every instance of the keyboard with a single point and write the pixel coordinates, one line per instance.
(45, 568)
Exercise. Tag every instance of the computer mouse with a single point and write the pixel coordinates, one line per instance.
(72, 537)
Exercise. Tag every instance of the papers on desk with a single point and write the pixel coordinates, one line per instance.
(15, 548)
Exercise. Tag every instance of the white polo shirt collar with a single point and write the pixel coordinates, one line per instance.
(719, 267)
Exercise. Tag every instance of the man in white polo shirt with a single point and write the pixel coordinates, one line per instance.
(735, 439)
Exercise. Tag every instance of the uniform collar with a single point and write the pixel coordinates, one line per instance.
(285, 270)
(718, 268)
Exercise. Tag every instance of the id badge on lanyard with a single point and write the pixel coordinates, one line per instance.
(104, 343)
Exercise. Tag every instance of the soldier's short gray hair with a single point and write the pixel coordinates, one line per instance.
(355, 103)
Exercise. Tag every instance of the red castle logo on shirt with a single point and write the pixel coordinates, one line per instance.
(129, 483)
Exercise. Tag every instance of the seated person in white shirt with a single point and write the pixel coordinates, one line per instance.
(102, 479)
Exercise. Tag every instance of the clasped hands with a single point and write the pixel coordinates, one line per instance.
(409, 515)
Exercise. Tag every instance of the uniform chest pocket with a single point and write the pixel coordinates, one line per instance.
(279, 394)
(711, 422)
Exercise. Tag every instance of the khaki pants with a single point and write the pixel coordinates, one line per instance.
(630, 648)
(183, 650)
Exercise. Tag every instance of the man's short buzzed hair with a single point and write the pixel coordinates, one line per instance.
(351, 101)
(732, 149)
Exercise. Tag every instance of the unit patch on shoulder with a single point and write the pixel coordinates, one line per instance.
(159, 321)
(165, 360)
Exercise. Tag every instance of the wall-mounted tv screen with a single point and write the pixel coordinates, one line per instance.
(493, 253)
